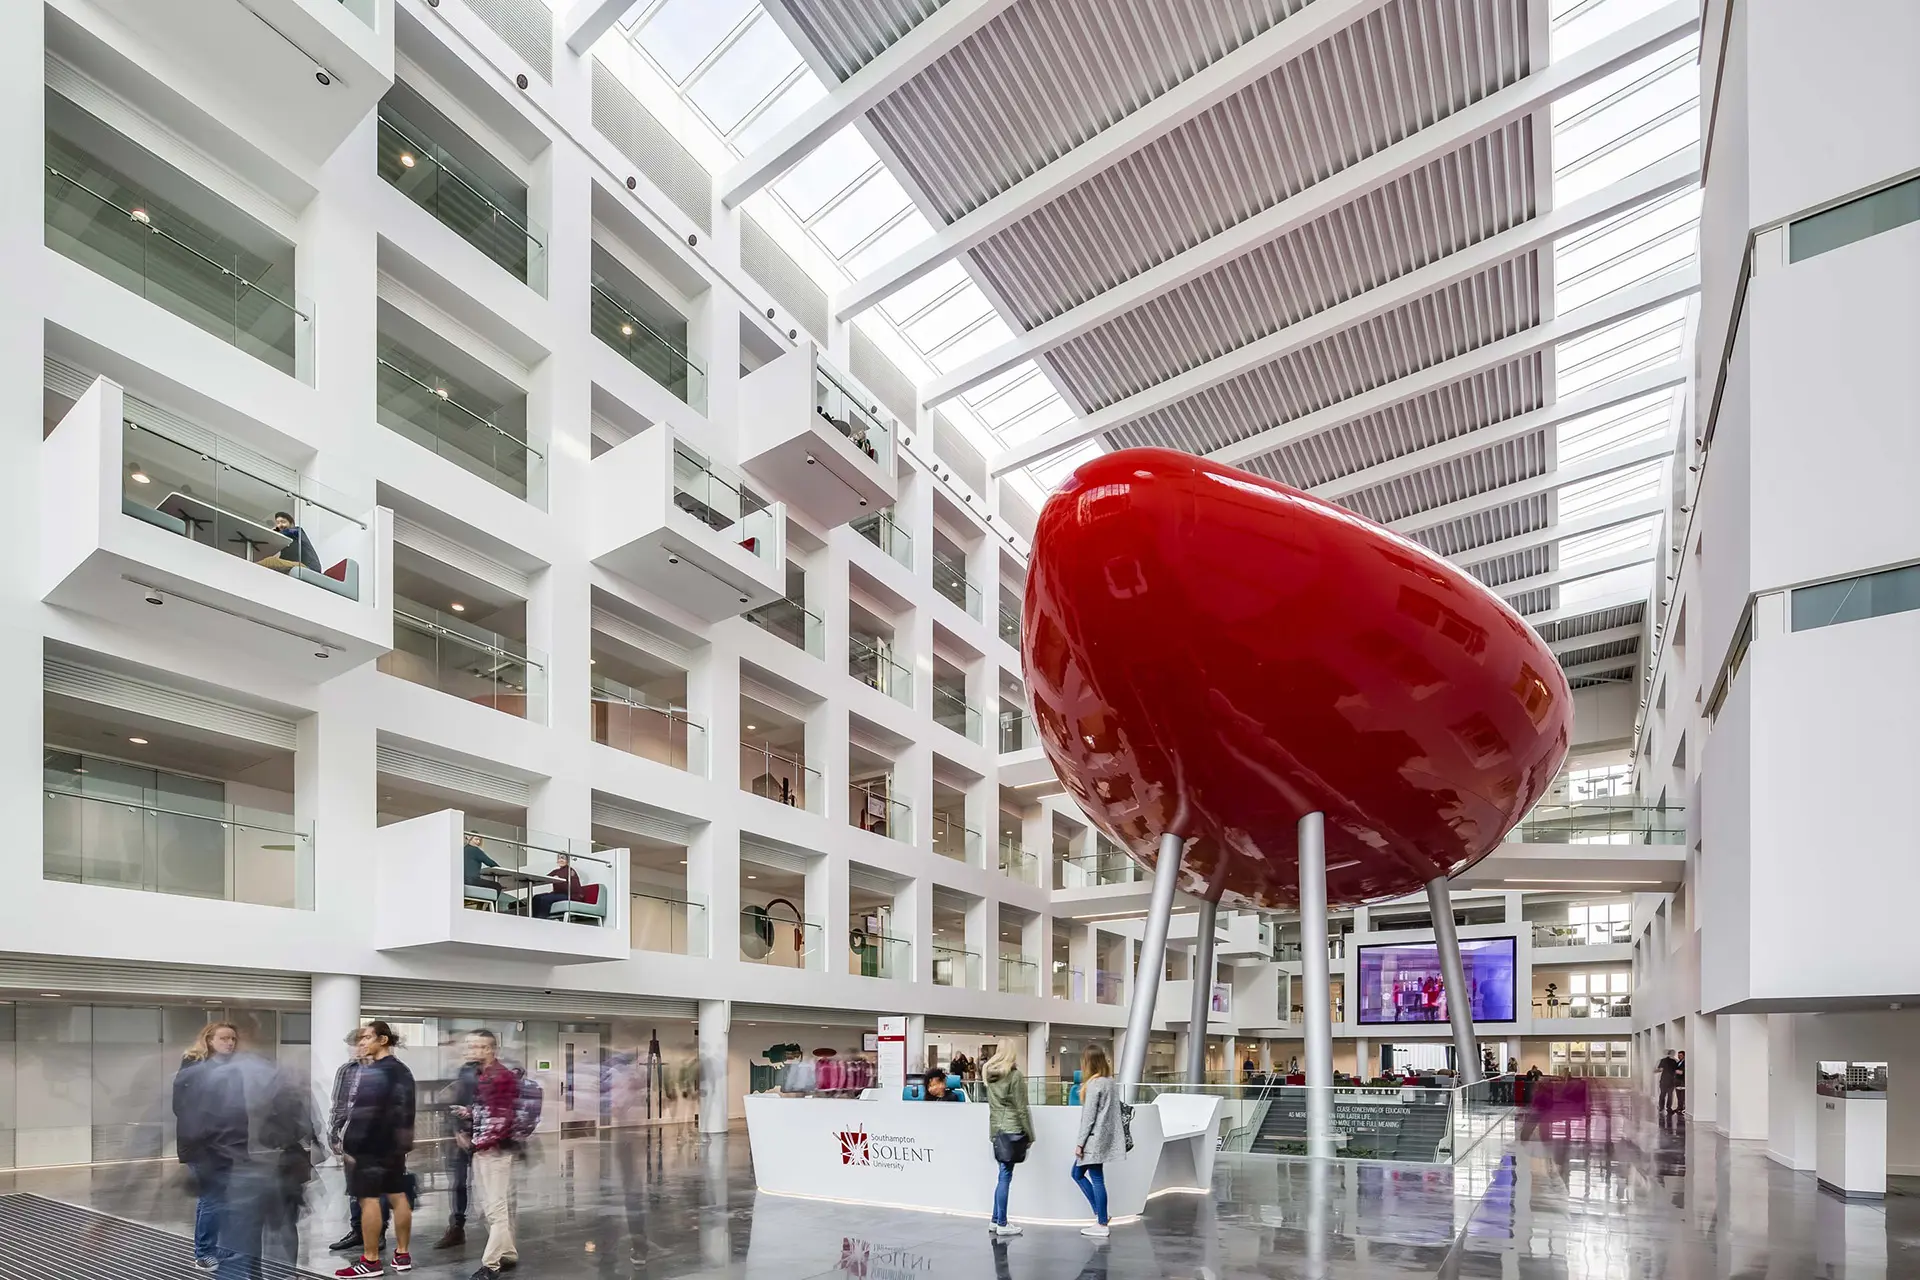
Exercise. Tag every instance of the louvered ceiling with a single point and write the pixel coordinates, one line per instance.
(1045, 76)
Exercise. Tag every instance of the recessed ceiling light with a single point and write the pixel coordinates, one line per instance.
(441, 392)
(683, 862)
(626, 331)
(138, 742)
(50, 995)
(457, 607)
(406, 158)
(141, 216)
(752, 727)
(138, 476)
(753, 877)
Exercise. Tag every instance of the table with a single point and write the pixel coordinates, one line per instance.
(512, 878)
(198, 512)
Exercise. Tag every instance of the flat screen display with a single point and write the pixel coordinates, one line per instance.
(1401, 982)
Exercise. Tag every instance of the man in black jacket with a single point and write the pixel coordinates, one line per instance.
(336, 1121)
(375, 1135)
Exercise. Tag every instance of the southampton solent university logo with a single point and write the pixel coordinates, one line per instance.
(880, 1150)
(853, 1147)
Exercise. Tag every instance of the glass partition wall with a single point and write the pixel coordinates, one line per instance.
(441, 651)
(644, 329)
(188, 252)
(432, 162)
(481, 431)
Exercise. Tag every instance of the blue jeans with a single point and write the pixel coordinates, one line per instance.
(212, 1180)
(1093, 1185)
(1000, 1195)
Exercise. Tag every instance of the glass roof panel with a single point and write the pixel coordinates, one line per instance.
(945, 321)
(1603, 543)
(1631, 485)
(889, 244)
(1639, 419)
(924, 292)
(1634, 581)
(974, 343)
(863, 213)
(681, 33)
(740, 79)
(785, 107)
(835, 165)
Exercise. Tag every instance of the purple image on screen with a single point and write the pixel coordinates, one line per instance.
(1402, 983)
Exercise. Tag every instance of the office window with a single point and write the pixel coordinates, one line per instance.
(1595, 784)
(1882, 210)
(1851, 599)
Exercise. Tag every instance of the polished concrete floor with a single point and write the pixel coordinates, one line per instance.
(1628, 1199)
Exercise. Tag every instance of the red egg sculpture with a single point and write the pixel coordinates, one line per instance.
(1215, 654)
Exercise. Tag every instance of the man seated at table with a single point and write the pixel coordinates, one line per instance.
(548, 905)
(936, 1088)
(299, 549)
(476, 863)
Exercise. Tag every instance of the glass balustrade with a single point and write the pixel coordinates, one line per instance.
(365, 10)
(1616, 820)
(853, 416)
(1016, 731)
(1599, 933)
(1069, 983)
(628, 720)
(660, 921)
(1102, 866)
(439, 413)
(1018, 863)
(722, 501)
(782, 943)
(875, 955)
(1010, 626)
(952, 711)
(950, 580)
(153, 841)
(956, 967)
(952, 838)
(873, 666)
(526, 873)
(792, 622)
(882, 532)
(228, 497)
(777, 775)
(1583, 1007)
(1019, 976)
(872, 809)
(494, 222)
(156, 249)
(1107, 986)
(436, 650)
(619, 323)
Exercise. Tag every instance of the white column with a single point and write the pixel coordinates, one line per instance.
(334, 1015)
(916, 1045)
(716, 1020)
(1039, 1050)
(1741, 1101)
(1362, 1050)
(1319, 996)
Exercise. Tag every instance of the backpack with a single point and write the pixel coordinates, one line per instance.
(526, 1107)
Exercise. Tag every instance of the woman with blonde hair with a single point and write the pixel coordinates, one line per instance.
(1009, 1126)
(1101, 1136)
(197, 1120)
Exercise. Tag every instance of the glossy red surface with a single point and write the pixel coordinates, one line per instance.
(1217, 654)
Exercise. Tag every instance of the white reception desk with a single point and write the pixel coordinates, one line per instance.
(936, 1156)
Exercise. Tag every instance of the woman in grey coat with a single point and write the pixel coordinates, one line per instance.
(1101, 1138)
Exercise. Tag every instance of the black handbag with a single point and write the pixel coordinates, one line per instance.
(1010, 1148)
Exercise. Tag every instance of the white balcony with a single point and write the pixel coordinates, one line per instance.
(672, 522)
(808, 432)
(423, 901)
(308, 71)
(304, 70)
(165, 526)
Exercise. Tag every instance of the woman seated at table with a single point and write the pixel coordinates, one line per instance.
(547, 905)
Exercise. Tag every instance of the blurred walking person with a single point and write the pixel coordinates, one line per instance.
(375, 1137)
(1101, 1138)
(1009, 1127)
(493, 1141)
(460, 1158)
(337, 1121)
(198, 1144)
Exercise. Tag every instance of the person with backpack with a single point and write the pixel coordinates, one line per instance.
(1101, 1138)
(1009, 1127)
(496, 1127)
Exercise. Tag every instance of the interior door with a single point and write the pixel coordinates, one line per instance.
(579, 1084)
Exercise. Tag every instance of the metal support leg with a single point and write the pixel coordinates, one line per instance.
(1318, 996)
(1153, 961)
(1466, 1052)
(1202, 993)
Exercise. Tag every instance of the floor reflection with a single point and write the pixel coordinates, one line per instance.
(1580, 1197)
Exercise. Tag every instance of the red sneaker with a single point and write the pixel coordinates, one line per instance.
(362, 1266)
(403, 1262)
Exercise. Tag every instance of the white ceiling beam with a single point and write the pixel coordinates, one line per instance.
(588, 20)
(858, 94)
(1610, 395)
(1672, 174)
(1378, 170)
(1611, 518)
(1612, 635)
(1578, 323)
(1561, 613)
(1252, 61)
(1589, 468)
(1601, 666)
(1574, 573)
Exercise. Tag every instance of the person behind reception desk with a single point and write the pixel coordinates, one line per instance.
(1100, 1138)
(936, 1089)
(1009, 1127)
